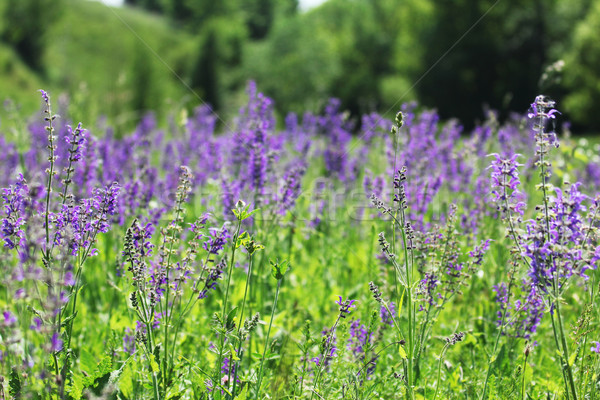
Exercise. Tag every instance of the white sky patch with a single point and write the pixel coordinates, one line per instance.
(304, 4)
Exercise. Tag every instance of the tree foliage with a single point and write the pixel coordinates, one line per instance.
(26, 23)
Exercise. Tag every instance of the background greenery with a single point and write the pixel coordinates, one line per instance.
(458, 56)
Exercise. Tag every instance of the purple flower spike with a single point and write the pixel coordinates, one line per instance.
(45, 96)
(56, 343)
(596, 347)
(9, 318)
(345, 306)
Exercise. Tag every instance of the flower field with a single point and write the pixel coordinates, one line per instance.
(317, 257)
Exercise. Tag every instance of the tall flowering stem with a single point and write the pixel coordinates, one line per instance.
(49, 118)
(241, 213)
(328, 343)
(407, 233)
(505, 193)
(278, 271)
(171, 236)
(541, 113)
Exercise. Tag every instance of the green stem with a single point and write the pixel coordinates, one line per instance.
(262, 361)
(439, 372)
(150, 356)
(240, 324)
(570, 383)
(225, 300)
(565, 349)
(523, 381)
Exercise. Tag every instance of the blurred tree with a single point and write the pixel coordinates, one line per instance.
(179, 10)
(219, 55)
(295, 65)
(145, 89)
(581, 73)
(363, 41)
(259, 17)
(26, 23)
(481, 53)
(205, 74)
(152, 5)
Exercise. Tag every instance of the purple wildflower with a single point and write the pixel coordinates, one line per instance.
(128, 342)
(360, 339)
(14, 200)
(9, 318)
(56, 343)
(345, 306)
(504, 182)
(385, 316)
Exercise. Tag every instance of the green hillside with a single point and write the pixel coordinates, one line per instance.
(108, 61)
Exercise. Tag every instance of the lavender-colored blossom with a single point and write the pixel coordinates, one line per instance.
(291, 189)
(14, 201)
(558, 252)
(385, 316)
(345, 306)
(501, 291)
(217, 239)
(56, 343)
(360, 339)
(128, 342)
(210, 282)
(428, 288)
(479, 251)
(9, 318)
(504, 183)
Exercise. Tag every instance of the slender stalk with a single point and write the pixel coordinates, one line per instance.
(239, 349)
(262, 360)
(439, 372)
(225, 300)
(556, 287)
(411, 333)
(524, 367)
(150, 355)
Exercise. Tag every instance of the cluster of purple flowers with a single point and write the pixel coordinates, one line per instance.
(14, 201)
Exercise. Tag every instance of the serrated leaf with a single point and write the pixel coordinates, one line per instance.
(104, 366)
(75, 389)
(125, 381)
(87, 362)
(278, 270)
(14, 384)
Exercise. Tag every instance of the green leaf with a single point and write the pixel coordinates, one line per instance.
(243, 395)
(230, 321)
(87, 362)
(126, 381)
(241, 211)
(242, 239)
(402, 352)
(14, 384)
(154, 364)
(75, 389)
(572, 358)
(233, 355)
(68, 319)
(278, 270)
